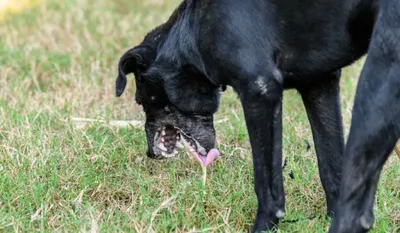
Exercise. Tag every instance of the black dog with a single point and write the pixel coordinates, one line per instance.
(260, 48)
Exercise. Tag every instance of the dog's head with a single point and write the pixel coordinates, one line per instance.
(179, 103)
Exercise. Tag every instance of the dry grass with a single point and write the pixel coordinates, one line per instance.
(58, 60)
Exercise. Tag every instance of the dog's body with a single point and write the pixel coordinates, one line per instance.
(260, 48)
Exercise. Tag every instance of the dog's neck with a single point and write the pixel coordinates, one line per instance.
(157, 36)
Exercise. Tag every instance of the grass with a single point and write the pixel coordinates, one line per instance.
(58, 60)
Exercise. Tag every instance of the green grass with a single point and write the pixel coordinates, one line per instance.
(59, 60)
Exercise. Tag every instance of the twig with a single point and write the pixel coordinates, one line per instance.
(82, 122)
(204, 176)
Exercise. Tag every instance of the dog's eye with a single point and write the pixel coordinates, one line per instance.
(138, 102)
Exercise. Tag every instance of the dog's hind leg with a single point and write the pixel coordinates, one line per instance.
(322, 103)
(261, 98)
(375, 124)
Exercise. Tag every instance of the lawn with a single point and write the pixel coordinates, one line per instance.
(58, 59)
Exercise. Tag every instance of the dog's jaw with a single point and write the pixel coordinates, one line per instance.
(169, 138)
(166, 141)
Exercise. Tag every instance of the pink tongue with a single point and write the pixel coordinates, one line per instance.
(212, 155)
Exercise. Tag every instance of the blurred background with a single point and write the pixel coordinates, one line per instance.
(58, 59)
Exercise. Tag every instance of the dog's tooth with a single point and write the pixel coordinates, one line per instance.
(161, 146)
(162, 139)
(163, 133)
(179, 144)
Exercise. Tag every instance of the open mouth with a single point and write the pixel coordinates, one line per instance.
(169, 139)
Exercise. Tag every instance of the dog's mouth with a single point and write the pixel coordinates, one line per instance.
(169, 139)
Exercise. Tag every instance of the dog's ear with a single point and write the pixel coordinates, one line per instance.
(133, 61)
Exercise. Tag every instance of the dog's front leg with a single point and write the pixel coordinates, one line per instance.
(322, 102)
(261, 99)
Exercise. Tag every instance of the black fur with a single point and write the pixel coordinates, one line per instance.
(260, 48)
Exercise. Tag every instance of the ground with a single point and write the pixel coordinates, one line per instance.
(58, 59)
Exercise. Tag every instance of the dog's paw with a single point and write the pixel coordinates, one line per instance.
(266, 223)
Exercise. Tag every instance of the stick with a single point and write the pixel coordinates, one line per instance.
(204, 175)
(82, 122)
(204, 182)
